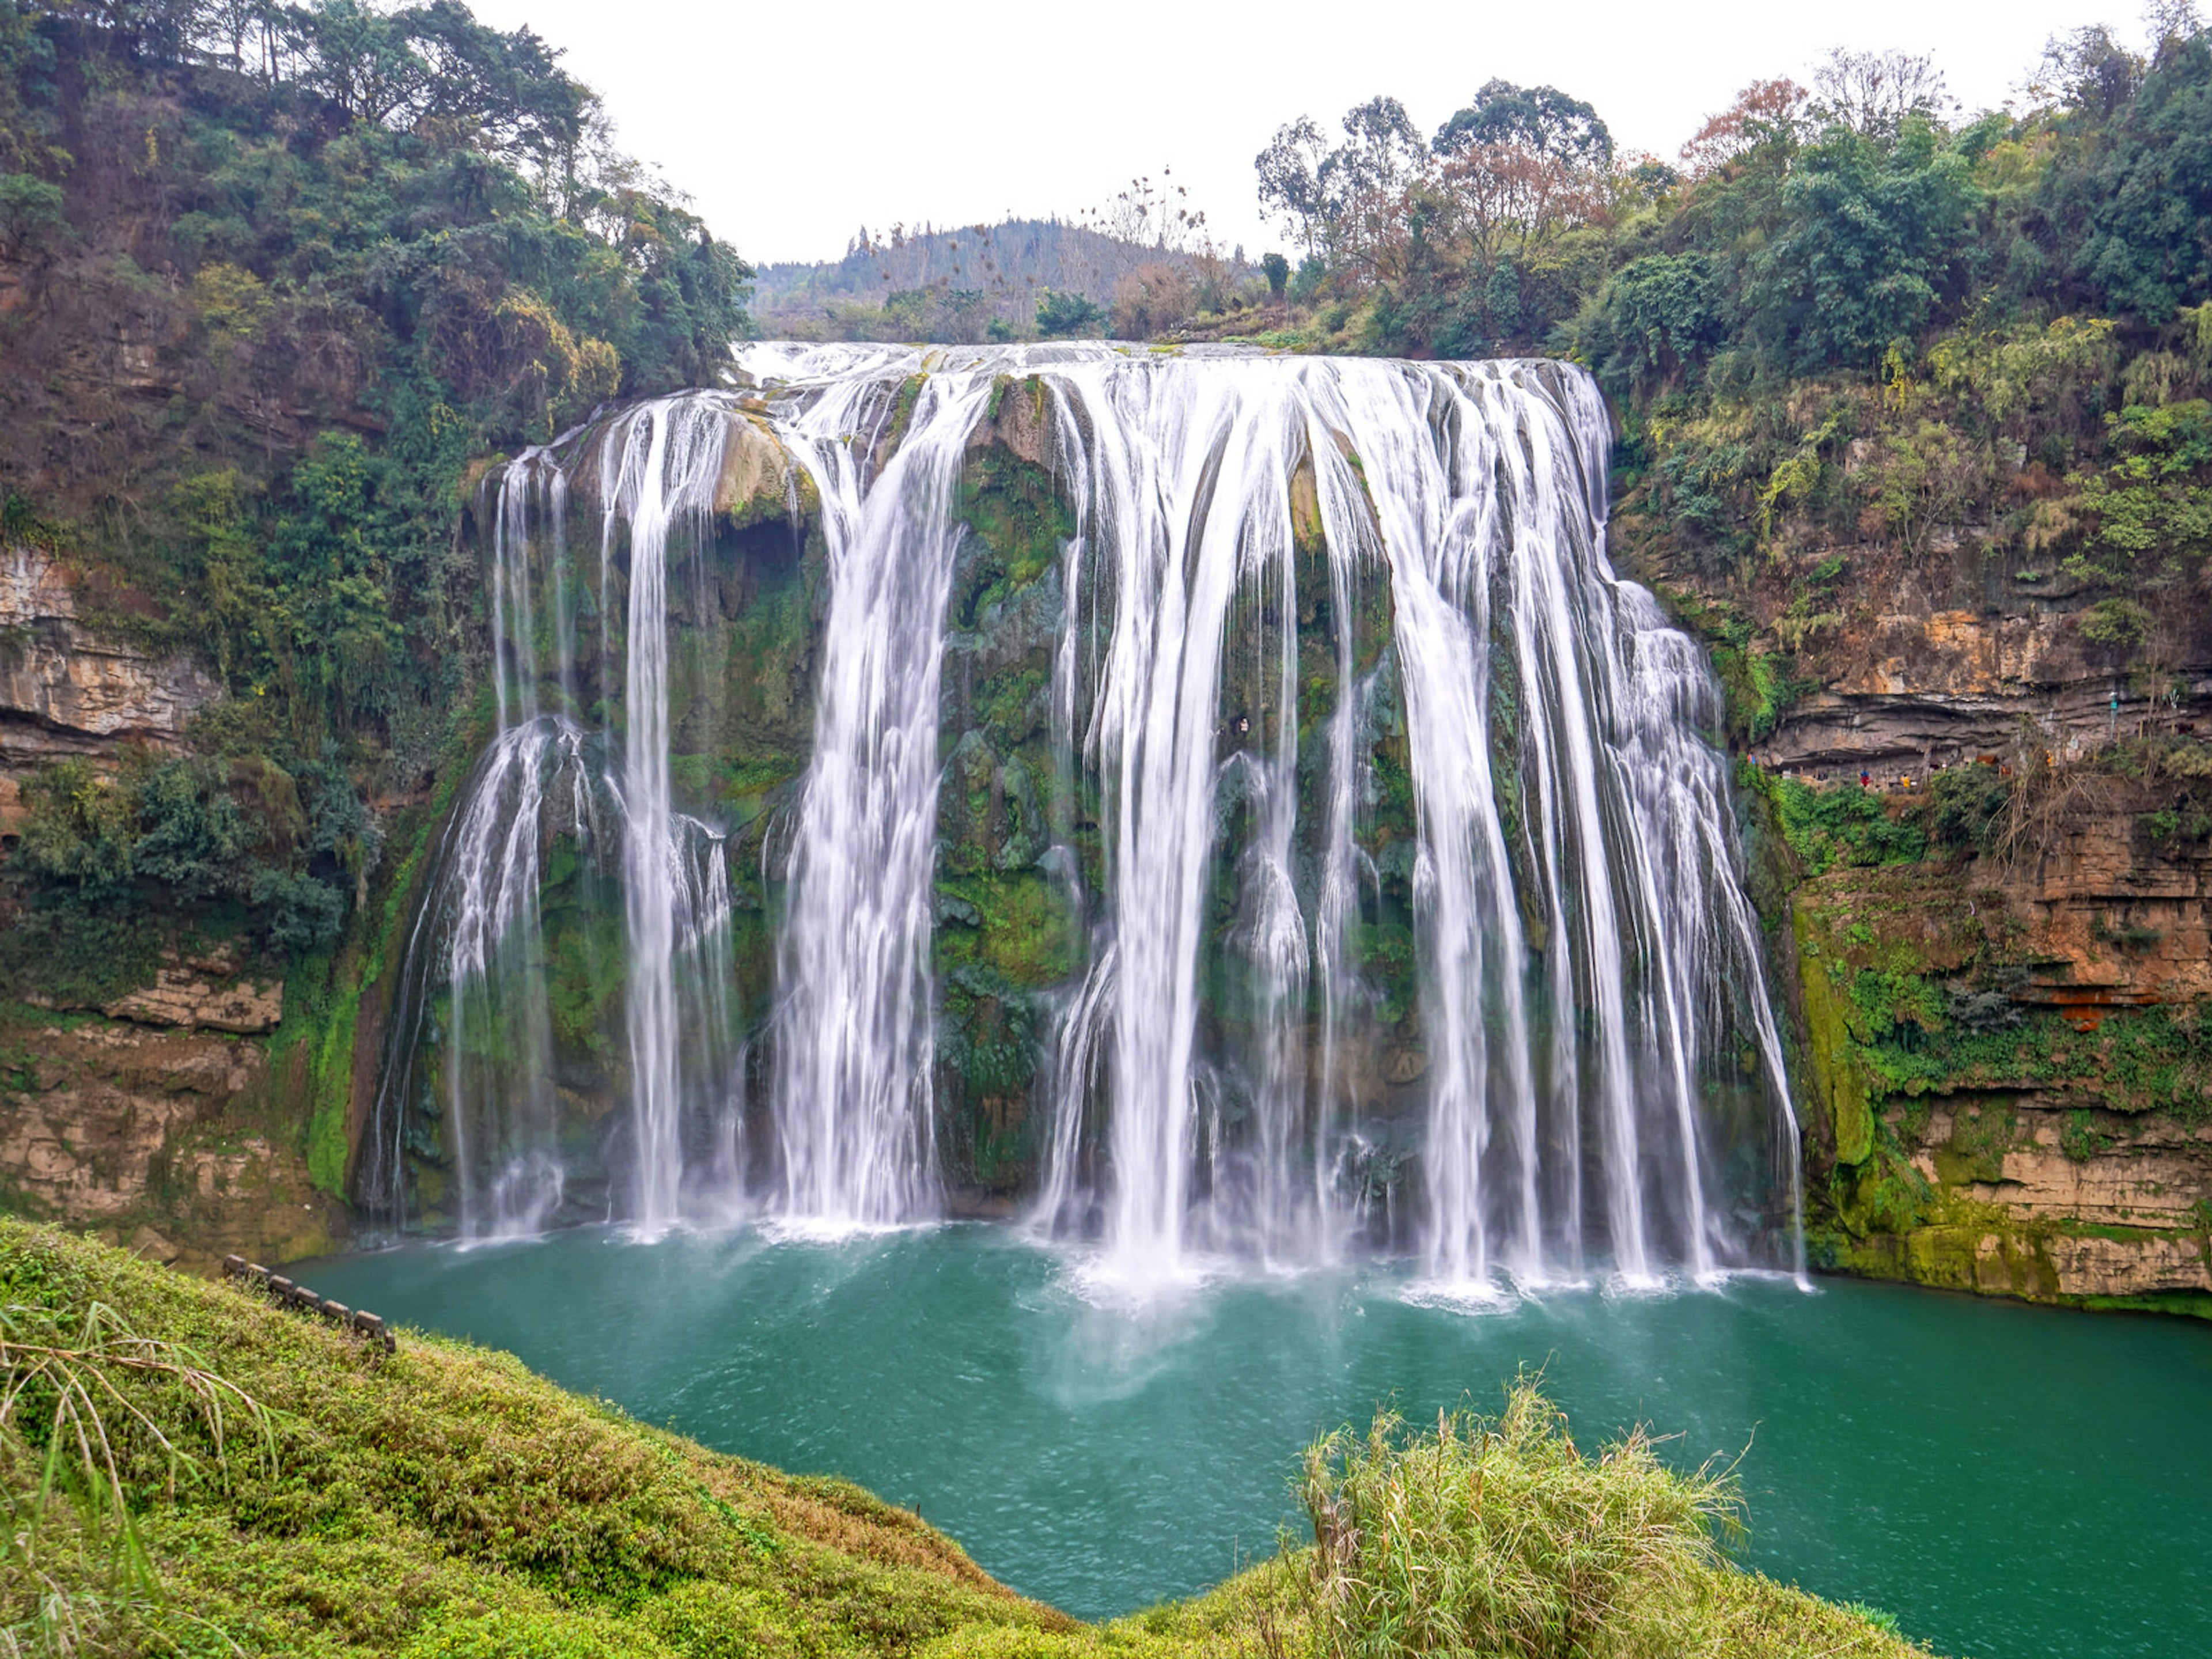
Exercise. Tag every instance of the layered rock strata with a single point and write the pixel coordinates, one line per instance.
(67, 688)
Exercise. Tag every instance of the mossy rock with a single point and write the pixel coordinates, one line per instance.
(1837, 1084)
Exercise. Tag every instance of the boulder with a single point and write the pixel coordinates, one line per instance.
(151, 1245)
(755, 477)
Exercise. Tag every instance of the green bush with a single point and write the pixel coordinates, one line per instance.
(1874, 235)
(1499, 1536)
(2078, 1139)
(1060, 315)
(109, 864)
(78, 828)
(30, 208)
(1968, 806)
(1845, 823)
(1660, 313)
(2135, 205)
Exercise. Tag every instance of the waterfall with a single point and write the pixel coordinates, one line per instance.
(853, 1102)
(1559, 781)
(475, 979)
(1406, 874)
(659, 467)
(504, 1135)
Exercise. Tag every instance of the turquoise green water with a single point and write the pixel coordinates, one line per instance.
(2010, 1482)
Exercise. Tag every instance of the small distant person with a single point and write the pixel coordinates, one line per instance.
(1866, 779)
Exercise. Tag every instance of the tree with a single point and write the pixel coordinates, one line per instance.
(2142, 204)
(1661, 312)
(1060, 316)
(1363, 183)
(1289, 181)
(1516, 167)
(29, 208)
(2087, 73)
(1541, 120)
(1510, 198)
(1767, 116)
(1875, 93)
(1457, 234)
(1156, 216)
(1871, 237)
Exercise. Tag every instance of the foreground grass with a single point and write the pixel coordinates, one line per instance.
(192, 1471)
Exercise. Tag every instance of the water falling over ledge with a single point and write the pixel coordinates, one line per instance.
(1391, 879)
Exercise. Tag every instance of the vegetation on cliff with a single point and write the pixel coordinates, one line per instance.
(249, 1479)
(2006, 1068)
(270, 276)
(1848, 316)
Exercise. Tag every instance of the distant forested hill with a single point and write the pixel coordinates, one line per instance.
(986, 280)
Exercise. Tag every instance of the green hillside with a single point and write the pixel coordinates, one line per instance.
(191, 1469)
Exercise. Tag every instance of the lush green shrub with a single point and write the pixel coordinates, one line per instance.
(1845, 823)
(1968, 806)
(30, 208)
(1060, 314)
(107, 864)
(1500, 1536)
(2135, 207)
(1874, 230)
(1661, 312)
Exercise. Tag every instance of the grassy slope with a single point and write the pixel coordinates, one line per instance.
(446, 1502)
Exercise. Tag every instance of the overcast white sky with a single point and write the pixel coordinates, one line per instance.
(792, 126)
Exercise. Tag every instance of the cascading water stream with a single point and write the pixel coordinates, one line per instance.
(1339, 660)
(1531, 705)
(853, 1102)
(475, 979)
(659, 467)
(494, 940)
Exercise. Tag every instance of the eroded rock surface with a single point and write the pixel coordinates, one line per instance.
(61, 685)
(191, 998)
(1912, 689)
(2051, 1138)
(68, 689)
(163, 1140)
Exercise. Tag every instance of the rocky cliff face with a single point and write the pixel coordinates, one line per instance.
(1999, 985)
(2006, 1074)
(1902, 691)
(181, 1145)
(66, 689)
(1895, 661)
(157, 1119)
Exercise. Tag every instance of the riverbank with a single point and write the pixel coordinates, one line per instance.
(445, 1501)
